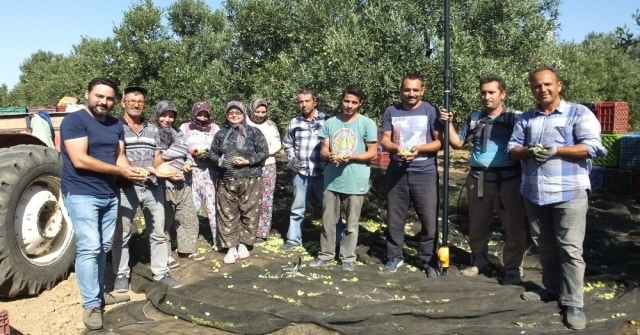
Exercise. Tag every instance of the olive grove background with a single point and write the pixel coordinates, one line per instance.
(271, 48)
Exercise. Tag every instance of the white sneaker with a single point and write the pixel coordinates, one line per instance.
(242, 251)
(231, 257)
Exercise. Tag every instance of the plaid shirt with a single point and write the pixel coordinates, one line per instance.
(302, 141)
(559, 179)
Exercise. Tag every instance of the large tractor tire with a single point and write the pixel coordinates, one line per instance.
(37, 246)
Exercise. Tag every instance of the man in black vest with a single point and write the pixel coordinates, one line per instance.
(493, 182)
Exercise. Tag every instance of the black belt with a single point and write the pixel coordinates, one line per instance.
(498, 171)
(514, 167)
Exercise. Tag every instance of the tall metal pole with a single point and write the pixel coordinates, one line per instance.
(443, 252)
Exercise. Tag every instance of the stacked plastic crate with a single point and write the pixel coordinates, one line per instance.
(13, 110)
(612, 172)
(629, 160)
(383, 158)
(5, 329)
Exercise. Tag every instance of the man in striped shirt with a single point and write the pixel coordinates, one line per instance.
(140, 148)
(302, 146)
(556, 142)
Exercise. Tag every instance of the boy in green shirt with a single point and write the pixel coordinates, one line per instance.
(348, 144)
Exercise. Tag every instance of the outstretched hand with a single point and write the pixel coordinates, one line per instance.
(408, 155)
(135, 174)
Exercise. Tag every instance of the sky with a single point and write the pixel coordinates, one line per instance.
(57, 25)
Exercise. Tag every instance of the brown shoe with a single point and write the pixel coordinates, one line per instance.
(92, 318)
(110, 299)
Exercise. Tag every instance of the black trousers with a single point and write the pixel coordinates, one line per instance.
(422, 190)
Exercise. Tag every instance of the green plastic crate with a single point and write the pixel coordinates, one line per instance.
(612, 144)
(13, 110)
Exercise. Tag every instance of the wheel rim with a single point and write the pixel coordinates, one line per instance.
(42, 225)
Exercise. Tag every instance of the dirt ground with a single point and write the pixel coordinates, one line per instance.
(58, 311)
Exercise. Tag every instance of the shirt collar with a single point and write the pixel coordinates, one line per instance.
(124, 122)
(317, 116)
(563, 107)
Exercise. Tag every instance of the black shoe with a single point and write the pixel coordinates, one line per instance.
(393, 265)
(574, 318)
(432, 272)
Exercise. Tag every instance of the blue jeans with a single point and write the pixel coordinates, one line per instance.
(94, 221)
(303, 187)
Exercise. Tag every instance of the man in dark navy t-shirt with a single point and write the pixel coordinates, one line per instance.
(92, 156)
(412, 135)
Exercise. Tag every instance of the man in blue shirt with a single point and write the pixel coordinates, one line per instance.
(412, 134)
(92, 148)
(493, 182)
(556, 142)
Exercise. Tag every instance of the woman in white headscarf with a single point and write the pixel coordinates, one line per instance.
(258, 118)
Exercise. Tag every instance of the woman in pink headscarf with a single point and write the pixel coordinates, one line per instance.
(199, 134)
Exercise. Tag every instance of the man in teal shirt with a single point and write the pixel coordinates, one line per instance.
(348, 144)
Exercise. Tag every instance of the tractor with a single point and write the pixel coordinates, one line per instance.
(37, 248)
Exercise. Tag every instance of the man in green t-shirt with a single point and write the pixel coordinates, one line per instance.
(348, 144)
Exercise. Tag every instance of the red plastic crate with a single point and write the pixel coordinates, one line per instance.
(382, 159)
(613, 117)
(4, 323)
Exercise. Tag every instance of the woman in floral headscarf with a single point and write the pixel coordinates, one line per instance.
(199, 133)
(258, 118)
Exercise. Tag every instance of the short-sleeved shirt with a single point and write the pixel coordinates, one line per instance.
(560, 178)
(104, 139)
(348, 139)
(140, 149)
(495, 154)
(410, 128)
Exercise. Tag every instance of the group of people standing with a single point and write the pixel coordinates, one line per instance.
(112, 167)
(538, 160)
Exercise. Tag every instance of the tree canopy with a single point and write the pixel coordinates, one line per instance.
(269, 48)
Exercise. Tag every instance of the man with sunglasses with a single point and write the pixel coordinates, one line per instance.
(140, 150)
